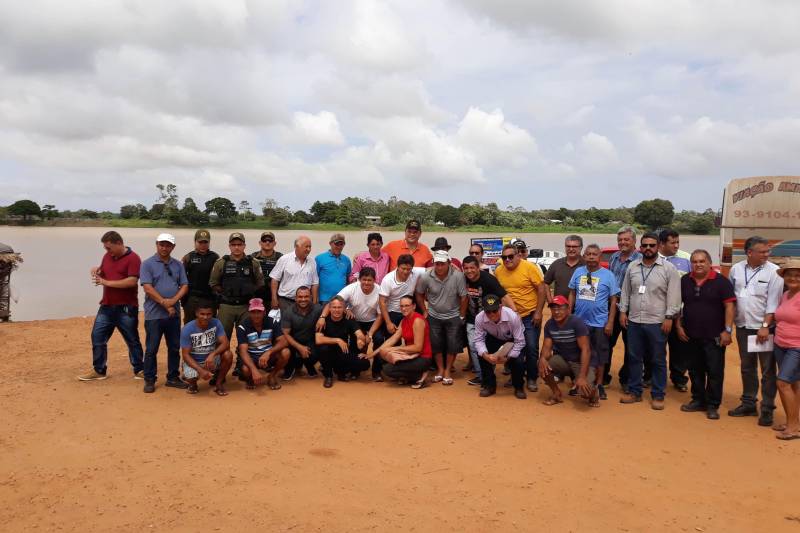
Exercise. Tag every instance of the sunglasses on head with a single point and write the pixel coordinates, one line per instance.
(508, 257)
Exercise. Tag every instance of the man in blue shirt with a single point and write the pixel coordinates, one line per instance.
(593, 293)
(618, 265)
(204, 349)
(164, 281)
(333, 269)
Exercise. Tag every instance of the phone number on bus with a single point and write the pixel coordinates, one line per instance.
(745, 213)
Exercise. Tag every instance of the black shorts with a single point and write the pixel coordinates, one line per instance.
(445, 335)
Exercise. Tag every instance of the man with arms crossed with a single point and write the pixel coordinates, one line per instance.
(333, 269)
(204, 348)
(267, 256)
(560, 272)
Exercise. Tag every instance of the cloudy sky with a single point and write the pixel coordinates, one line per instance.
(574, 103)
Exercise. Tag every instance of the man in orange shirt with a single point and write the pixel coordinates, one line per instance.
(410, 245)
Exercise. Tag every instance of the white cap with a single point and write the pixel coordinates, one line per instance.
(441, 256)
(166, 237)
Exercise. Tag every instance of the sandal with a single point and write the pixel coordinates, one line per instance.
(447, 381)
(220, 390)
(779, 427)
(437, 379)
(421, 384)
(787, 436)
(192, 389)
(273, 383)
(552, 400)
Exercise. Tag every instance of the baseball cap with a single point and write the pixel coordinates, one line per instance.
(256, 304)
(491, 302)
(202, 235)
(414, 224)
(268, 234)
(559, 300)
(165, 237)
(336, 237)
(441, 244)
(441, 256)
(236, 235)
(518, 243)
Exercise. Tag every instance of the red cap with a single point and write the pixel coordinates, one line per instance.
(559, 300)
(256, 304)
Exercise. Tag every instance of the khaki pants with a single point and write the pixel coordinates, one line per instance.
(231, 316)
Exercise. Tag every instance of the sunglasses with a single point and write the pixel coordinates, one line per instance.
(508, 257)
(654, 245)
(267, 239)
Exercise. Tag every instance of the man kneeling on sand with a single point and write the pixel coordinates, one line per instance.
(569, 335)
(261, 345)
(204, 349)
(499, 339)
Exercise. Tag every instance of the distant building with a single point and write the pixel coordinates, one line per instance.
(373, 220)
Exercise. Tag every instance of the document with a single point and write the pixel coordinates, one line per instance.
(753, 346)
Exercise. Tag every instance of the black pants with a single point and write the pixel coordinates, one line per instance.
(517, 364)
(410, 370)
(707, 370)
(333, 359)
(377, 340)
(678, 363)
(297, 362)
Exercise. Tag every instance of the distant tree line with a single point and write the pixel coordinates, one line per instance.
(351, 211)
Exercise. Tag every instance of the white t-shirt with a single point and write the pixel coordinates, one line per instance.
(393, 290)
(364, 306)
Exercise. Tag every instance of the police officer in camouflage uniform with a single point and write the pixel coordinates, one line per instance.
(198, 264)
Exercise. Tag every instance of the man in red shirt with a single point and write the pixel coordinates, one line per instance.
(118, 273)
(409, 245)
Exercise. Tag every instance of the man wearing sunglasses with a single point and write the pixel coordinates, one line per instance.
(164, 281)
(651, 298)
(333, 269)
(523, 281)
(198, 264)
(267, 257)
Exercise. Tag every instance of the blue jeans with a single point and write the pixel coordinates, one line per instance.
(473, 353)
(647, 343)
(124, 318)
(170, 328)
(531, 350)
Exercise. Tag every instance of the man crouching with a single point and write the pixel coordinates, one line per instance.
(204, 349)
(261, 345)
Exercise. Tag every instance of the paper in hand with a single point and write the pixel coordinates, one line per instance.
(753, 346)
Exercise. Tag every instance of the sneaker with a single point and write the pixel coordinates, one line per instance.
(519, 394)
(601, 391)
(630, 398)
(485, 393)
(138, 375)
(532, 386)
(765, 419)
(177, 384)
(377, 378)
(288, 373)
(712, 413)
(743, 410)
(693, 407)
(94, 375)
(657, 404)
(149, 386)
(474, 381)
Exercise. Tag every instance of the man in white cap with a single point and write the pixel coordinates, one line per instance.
(164, 281)
(442, 295)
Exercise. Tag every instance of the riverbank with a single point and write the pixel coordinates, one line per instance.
(363, 456)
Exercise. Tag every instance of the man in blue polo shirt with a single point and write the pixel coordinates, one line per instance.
(164, 281)
(333, 269)
(593, 291)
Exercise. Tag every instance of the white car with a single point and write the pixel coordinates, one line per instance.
(543, 258)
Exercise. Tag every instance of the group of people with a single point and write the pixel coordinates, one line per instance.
(403, 312)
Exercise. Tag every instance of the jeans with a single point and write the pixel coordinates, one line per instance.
(707, 369)
(488, 377)
(750, 362)
(647, 342)
(124, 318)
(170, 329)
(531, 349)
(473, 352)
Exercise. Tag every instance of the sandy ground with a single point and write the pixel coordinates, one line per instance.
(102, 456)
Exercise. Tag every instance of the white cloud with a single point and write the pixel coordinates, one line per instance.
(597, 151)
(494, 140)
(322, 128)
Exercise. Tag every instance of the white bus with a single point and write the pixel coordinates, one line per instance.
(768, 206)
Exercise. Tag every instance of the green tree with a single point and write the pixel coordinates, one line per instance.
(301, 217)
(156, 212)
(280, 218)
(448, 215)
(192, 215)
(324, 211)
(87, 213)
(222, 208)
(49, 211)
(128, 211)
(654, 214)
(25, 209)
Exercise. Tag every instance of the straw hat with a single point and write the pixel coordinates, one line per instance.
(789, 265)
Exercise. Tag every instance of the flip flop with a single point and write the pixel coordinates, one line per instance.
(274, 384)
(447, 381)
(779, 427)
(421, 384)
(220, 392)
(787, 436)
(192, 389)
(552, 401)
(437, 379)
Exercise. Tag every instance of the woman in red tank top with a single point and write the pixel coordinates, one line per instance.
(408, 362)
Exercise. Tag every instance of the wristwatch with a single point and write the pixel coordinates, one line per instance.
(764, 325)
(728, 329)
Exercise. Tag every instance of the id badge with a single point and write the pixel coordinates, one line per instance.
(642, 289)
(743, 292)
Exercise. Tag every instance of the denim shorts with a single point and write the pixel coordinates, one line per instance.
(788, 360)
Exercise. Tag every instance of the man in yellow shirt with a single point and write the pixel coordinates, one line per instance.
(523, 281)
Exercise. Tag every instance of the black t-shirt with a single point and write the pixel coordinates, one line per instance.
(476, 290)
(561, 273)
(704, 305)
(267, 264)
(302, 327)
(342, 329)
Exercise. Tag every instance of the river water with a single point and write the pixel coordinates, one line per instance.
(53, 282)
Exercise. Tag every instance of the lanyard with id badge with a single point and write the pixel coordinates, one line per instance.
(743, 291)
(643, 286)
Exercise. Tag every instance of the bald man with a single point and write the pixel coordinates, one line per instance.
(292, 271)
